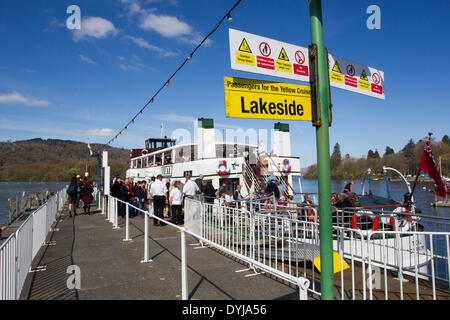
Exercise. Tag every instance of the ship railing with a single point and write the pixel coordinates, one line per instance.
(369, 264)
(21, 247)
(418, 260)
(196, 212)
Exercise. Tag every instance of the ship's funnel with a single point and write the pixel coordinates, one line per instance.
(281, 140)
(206, 139)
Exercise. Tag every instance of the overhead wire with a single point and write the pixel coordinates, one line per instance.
(166, 83)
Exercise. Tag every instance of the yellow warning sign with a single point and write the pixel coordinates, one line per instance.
(283, 55)
(364, 85)
(245, 58)
(336, 77)
(336, 263)
(257, 99)
(336, 67)
(244, 47)
(364, 76)
(284, 66)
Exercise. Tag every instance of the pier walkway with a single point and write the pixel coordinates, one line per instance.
(110, 268)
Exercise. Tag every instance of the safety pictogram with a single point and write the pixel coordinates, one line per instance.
(283, 55)
(364, 75)
(244, 47)
(350, 70)
(336, 67)
(376, 78)
(299, 57)
(264, 48)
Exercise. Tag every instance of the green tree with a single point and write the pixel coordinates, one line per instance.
(335, 159)
(446, 140)
(388, 151)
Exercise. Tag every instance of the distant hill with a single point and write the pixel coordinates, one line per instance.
(54, 160)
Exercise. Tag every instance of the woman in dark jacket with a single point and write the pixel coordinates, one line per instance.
(86, 196)
(210, 192)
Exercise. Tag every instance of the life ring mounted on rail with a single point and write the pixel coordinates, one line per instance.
(286, 165)
(222, 167)
(144, 152)
(371, 215)
(405, 221)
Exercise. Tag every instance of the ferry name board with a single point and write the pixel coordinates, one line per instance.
(257, 99)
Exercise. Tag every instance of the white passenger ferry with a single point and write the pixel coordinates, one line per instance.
(222, 162)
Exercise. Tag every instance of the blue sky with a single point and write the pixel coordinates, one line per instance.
(57, 83)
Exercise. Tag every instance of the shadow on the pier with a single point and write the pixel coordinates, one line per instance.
(49, 280)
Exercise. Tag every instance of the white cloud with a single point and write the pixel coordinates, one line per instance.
(17, 98)
(144, 44)
(105, 132)
(95, 27)
(167, 26)
(88, 60)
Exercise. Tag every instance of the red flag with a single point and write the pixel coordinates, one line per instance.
(428, 165)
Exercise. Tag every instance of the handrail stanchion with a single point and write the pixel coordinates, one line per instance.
(184, 286)
(127, 225)
(303, 285)
(116, 215)
(146, 259)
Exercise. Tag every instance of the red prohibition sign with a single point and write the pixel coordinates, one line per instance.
(299, 56)
(376, 78)
(265, 50)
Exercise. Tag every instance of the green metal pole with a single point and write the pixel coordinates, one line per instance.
(323, 155)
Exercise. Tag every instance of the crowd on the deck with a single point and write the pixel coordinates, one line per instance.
(168, 196)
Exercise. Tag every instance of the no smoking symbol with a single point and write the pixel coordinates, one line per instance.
(299, 56)
(376, 78)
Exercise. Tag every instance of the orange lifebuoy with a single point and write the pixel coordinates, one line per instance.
(374, 221)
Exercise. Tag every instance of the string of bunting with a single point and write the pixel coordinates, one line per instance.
(167, 82)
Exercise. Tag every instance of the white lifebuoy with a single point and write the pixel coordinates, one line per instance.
(222, 167)
(144, 152)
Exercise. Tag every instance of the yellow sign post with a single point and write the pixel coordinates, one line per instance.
(257, 99)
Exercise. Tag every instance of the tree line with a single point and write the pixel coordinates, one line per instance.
(405, 160)
(55, 160)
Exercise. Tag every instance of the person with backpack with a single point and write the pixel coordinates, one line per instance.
(72, 193)
(86, 196)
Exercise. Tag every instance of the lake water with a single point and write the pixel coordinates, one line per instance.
(9, 190)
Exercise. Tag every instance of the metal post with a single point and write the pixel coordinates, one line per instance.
(116, 215)
(184, 286)
(127, 227)
(146, 259)
(98, 180)
(323, 153)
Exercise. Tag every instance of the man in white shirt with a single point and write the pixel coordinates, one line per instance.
(158, 191)
(176, 199)
(190, 187)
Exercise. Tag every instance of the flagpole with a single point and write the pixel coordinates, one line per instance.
(415, 182)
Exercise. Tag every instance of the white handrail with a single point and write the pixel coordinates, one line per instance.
(18, 251)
